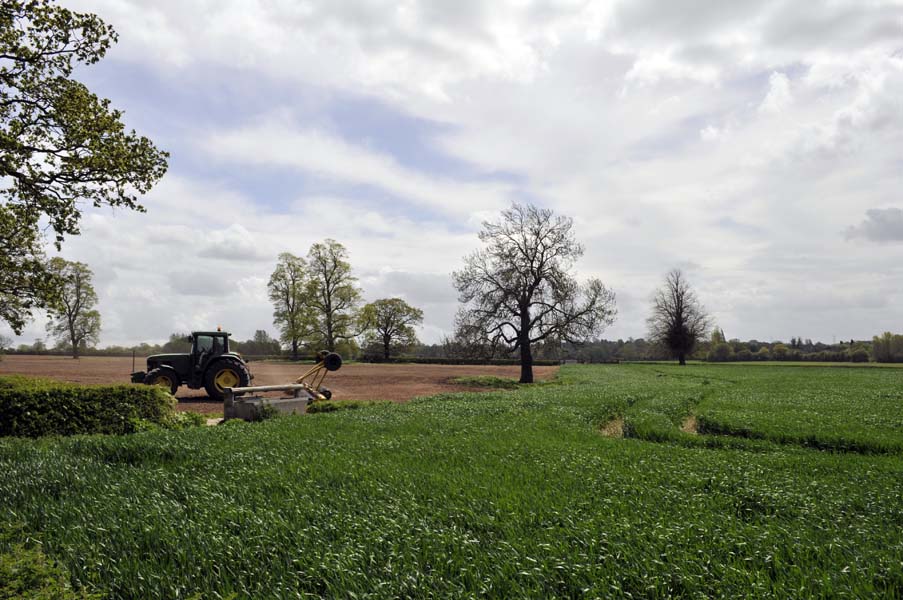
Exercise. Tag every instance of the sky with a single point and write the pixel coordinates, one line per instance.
(758, 146)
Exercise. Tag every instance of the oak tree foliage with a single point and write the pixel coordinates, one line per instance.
(520, 289)
(287, 288)
(74, 321)
(389, 324)
(332, 295)
(62, 148)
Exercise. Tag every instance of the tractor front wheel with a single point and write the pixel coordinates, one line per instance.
(165, 378)
(223, 374)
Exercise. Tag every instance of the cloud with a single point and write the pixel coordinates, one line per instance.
(779, 96)
(273, 142)
(235, 243)
(880, 225)
(740, 137)
(201, 283)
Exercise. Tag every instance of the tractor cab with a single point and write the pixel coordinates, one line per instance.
(206, 345)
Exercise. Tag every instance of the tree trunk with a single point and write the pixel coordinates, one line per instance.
(294, 349)
(682, 359)
(74, 342)
(330, 340)
(386, 343)
(526, 362)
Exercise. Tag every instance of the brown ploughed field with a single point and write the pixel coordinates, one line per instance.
(361, 381)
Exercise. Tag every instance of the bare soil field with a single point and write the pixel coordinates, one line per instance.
(396, 382)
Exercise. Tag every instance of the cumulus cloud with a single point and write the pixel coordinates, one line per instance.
(880, 225)
(274, 143)
(740, 137)
(779, 96)
(235, 243)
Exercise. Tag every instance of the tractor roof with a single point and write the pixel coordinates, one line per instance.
(210, 333)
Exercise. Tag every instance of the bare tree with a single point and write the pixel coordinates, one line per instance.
(286, 288)
(389, 323)
(678, 320)
(519, 289)
(470, 342)
(332, 295)
(74, 320)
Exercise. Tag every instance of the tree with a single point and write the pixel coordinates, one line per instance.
(25, 283)
(74, 321)
(177, 343)
(260, 345)
(61, 147)
(887, 348)
(5, 344)
(720, 352)
(390, 322)
(718, 336)
(678, 320)
(519, 288)
(780, 352)
(332, 294)
(287, 288)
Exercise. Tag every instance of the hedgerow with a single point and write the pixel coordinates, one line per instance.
(38, 407)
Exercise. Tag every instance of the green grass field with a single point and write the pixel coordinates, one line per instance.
(793, 489)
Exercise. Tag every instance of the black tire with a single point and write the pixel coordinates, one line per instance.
(332, 362)
(163, 377)
(327, 393)
(223, 373)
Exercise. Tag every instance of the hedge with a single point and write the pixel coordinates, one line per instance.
(36, 407)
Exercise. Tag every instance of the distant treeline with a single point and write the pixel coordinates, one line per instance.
(886, 348)
(260, 345)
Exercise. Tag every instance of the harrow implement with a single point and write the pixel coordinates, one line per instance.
(304, 390)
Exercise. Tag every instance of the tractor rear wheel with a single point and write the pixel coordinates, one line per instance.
(165, 378)
(222, 374)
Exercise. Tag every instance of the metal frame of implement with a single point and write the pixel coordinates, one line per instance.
(310, 382)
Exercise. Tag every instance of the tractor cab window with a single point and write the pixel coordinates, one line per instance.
(203, 343)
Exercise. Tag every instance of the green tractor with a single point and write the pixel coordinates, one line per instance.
(209, 365)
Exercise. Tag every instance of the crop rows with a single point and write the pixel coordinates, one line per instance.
(503, 494)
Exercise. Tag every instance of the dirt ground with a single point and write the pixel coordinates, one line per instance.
(398, 383)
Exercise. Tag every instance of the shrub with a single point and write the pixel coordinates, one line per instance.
(859, 355)
(36, 407)
(26, 572)
(265, 412)
(720, 352)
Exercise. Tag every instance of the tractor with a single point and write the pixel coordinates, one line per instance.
(210, 365)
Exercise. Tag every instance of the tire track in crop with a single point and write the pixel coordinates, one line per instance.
(613, 428)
